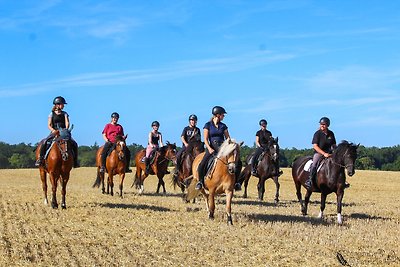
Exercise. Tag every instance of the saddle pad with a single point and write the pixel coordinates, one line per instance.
(307, 166)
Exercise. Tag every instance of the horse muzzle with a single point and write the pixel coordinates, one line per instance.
(231, 168)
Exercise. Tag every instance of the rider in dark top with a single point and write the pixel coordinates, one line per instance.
(262, 138)
(215, 132)
(57, 119)
(189, 134)
(323, 143)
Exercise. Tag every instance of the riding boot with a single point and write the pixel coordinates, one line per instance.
(200, 183)
(309, 182)
(103, 161)
(40, 161)
(147, 169)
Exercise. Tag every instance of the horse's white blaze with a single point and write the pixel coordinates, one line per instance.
(320, 215)
(339, 218)
(46, 202)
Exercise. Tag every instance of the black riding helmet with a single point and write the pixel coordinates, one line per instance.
(218, 110)
(325, 120)
(59, 100)
(115, 115)
(155, 123)
(193, 117)
(263, 121)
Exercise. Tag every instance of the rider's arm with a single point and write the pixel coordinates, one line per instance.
(105, 137)
(226, 134)
(161, 142)
(66, 120)
(184, 141)
(207, 142)
(320, 151)
(50, 124)
(258, 141)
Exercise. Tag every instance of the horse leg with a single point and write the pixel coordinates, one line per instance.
(43, 178)
(246, 183)
(211, 204)
(339, 197)
(121, 184)
(161, 180)
(64, 181)
(299, 197)
(306, 201)
(323, 202)
(111, 183)
(229, 195)
(103, 189)
(53, 179)
(261, 188)
(277, 185)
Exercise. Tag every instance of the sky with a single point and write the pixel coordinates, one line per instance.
(289, 62)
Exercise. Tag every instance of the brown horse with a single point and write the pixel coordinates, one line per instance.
(331, 176)
(115, 164)
(194, 148)
(58, 165)
(220, 179)
(268, 167)
(159, 166)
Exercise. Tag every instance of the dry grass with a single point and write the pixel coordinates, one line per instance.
(158, 230)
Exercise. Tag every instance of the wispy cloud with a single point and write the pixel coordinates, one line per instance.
(173, 71)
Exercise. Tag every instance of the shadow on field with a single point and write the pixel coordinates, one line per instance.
(133, 206)
(364, 216)
(286, 218)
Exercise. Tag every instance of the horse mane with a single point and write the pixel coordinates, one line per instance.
(226, 148)
(119, 138)
(342, 148)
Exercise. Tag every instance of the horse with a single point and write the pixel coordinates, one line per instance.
(268, 167)
(220, 179)
(159, 166)
(192, 150)
(58, 165)
(331, 176)
(115, 164)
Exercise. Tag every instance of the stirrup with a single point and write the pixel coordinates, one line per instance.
(238, 187)
(102, 169)
(39, 163)
(254, 172)
(308, 184)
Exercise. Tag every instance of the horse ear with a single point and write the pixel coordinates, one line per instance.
(241, 143)
(276, 139)
(358, 145)
(167, 142)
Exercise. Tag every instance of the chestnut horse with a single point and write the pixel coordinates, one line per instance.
(115, 164)
(220, 179)
(58, 165)
(331, 176)
(268, 167)
(159, 166)
(192, 150)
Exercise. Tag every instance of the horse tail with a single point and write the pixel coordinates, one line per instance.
(136, 182)
(175, 180)
(97, 182)
(192, 193)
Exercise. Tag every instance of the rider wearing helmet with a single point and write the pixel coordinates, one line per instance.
(154, 141)
(323, 143)
(189, 134)
(57, 119)
(262, 138)
(110, 132)
(215, 132)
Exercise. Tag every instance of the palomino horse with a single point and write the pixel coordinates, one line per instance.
(268, 167)
(115, 164)
(194, 148)
(58, 165)
(159, 166)
(220, 179)
(331, 176)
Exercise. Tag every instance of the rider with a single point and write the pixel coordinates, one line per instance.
(110, 131)
(323, 143)
(153, 143)
(215, 133)
(190, 133)
(57, 119)
(262, 137)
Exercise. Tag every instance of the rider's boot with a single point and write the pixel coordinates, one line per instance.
(308, 183)
(147, 169)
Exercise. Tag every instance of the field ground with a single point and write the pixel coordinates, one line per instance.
(161, 230)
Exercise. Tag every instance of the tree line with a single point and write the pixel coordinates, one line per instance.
(369, 158)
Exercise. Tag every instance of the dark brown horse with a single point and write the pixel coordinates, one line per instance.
(220, 179)
(159, 166)
(194, 148)
(58, 165)
(115, 164)
(268, 167)
(331, 176)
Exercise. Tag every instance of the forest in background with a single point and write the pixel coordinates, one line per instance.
(369, 158)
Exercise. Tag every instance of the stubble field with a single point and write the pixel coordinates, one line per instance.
(162, 230)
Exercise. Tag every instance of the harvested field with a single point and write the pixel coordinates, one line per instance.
(161, 230)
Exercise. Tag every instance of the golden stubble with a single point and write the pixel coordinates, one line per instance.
(162, 230)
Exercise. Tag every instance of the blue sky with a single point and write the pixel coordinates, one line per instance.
(290, 62)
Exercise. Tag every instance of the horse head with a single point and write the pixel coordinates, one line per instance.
(345, 155)
(273, 148)
(120, 146)
(170, 152)
(230, 150)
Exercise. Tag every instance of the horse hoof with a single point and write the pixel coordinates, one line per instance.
(64, 207)
(54, 206)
